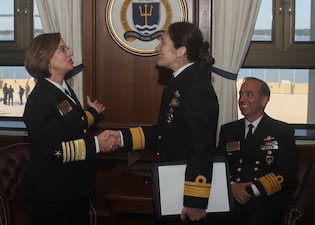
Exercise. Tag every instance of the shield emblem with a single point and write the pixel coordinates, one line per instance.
(146, 17)
(269, 159)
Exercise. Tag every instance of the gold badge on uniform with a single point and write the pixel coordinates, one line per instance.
(64, 107)
(269, 138)
(177, 94)
(58, 153)
(233, 146)
(269, 159)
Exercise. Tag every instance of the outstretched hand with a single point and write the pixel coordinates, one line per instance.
(99, 107)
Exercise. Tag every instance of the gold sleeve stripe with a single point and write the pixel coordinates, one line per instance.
(63, 145)
(271, 183)
(199, 188)
(68, 152)
(80, 150)
(138, 139)
(90, 118)
(73, 151)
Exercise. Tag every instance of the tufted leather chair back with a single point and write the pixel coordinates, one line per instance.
(303, 197)
(13, 160)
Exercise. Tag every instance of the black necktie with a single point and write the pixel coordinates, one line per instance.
(67, 92)
(250, 131)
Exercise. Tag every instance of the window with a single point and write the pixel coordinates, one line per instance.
(282, 36)
(19, 23)
(282, 53)
(18, 31)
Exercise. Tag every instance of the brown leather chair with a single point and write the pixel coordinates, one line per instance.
(13, 160)
(302, 207)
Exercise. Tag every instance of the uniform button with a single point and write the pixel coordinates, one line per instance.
(240, 160)
(257, 162)
(82, 118)
(238, 180)
(239, 169)
(159, 137)
(85, 131)
(255, 179)
(256, 169)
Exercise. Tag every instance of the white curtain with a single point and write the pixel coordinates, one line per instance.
(232, 29)
(65, 17)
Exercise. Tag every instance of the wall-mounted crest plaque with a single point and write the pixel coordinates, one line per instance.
(137, 25)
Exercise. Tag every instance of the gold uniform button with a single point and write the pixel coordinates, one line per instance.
(82, 118)
(257, 162)
(255, 179)
(85, 131)
(256, 169)
(238, 180)
(239, 169)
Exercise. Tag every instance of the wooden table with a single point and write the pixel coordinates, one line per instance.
(129, 194)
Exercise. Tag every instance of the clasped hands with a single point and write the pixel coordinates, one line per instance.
(239, 192)
(109, 140)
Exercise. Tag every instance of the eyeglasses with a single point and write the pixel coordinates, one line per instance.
(63, 48)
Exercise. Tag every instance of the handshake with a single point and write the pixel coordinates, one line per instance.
(109, 140)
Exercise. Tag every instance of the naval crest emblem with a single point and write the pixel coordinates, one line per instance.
(137, 25)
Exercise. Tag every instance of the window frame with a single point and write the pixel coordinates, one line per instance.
(12, 53)
(282, 51)
(12, 126)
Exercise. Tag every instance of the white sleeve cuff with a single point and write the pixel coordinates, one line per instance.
(255, 190)
(97, 147)
(122, 139)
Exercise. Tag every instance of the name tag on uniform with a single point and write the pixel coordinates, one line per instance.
(64, 107)
(233, 146)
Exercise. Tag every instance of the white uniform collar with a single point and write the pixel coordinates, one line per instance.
(62, 87)
(177, 72)
(255, 124)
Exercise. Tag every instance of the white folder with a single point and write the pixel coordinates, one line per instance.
(168, 187)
